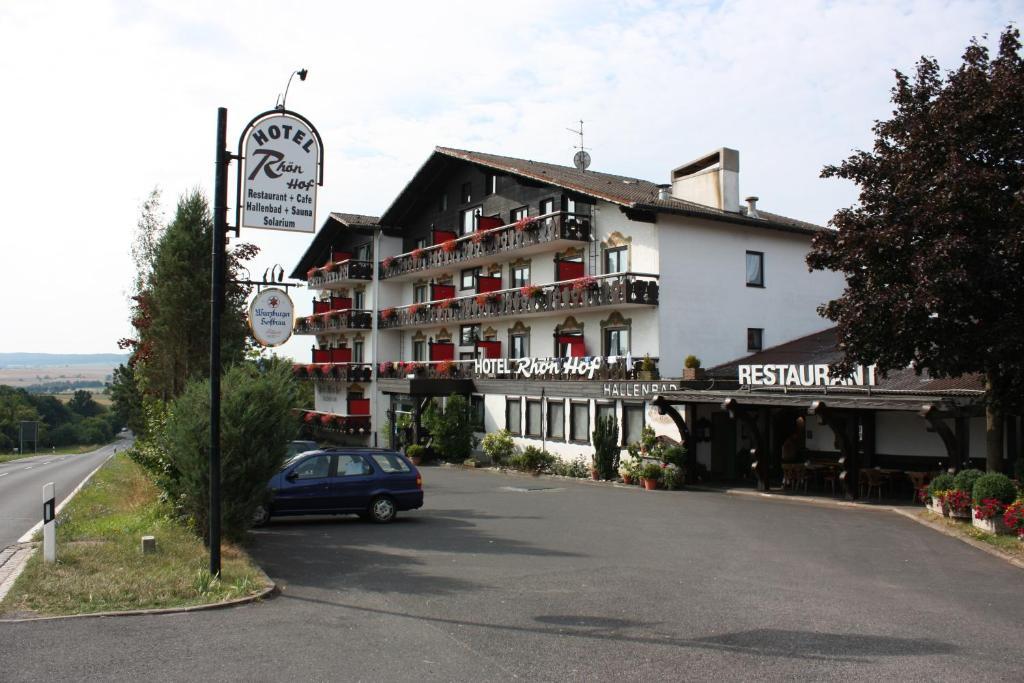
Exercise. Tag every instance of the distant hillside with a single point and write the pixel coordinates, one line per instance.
(48, 360)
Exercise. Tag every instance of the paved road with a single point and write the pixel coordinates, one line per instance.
(506, 577)
(21, 486)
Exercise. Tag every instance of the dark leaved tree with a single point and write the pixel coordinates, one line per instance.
(933, 252)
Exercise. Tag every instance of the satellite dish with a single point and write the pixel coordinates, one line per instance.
(581, 160)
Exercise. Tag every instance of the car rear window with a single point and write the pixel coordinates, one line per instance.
(389, 462)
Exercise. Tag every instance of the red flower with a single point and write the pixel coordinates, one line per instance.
(1014, 517)
(524, 223)
(388, 260)
(584, 283)
(530, 291)
(414, 309)
(445, 303)
(384, 367)
(330, 267)
(308, 417)
(989, 508)
(388, 313)
(483, 299)
(449, 246)
(326, 419)
(957, 501)
(445, 367)
(417, 254)
(410, 368)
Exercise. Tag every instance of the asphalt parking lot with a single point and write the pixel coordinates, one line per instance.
(507, 577)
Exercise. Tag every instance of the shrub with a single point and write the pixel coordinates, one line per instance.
(651, 470)
(606, 448)
(571, 468)
(256, 425)
(533, 459)
(964, 480)
(671, 477)
(414, 451)
(450, 429)
(674, 455)
(943, 482)
(691, 362)
(499, 446)
(994, 485)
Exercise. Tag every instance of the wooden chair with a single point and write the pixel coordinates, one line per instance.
(875, 480)
(830, 475)
(918, 480)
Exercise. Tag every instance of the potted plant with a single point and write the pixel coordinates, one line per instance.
(671, 476)
(958, 504)
(992, 493)
(415, 454)
(647, 371)
(525, 223)
(650, 475)
(937, 490)
(1013, 518)
(449, 246)
(692, 369)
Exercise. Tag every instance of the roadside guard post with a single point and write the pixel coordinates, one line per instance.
(49, 524)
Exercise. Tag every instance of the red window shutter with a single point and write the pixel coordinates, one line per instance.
(442, 236)
(577, 348)
(442, 351)
(486, 283)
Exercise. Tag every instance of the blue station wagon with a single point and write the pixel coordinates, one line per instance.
(373, 483)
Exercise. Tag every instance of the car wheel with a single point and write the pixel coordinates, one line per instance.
(382, 509)
(261, 515)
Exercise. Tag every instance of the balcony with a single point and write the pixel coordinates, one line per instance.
(335, 274)
(581, 294)
(339, 424)
(334, 321)
(540, 234)
(554, 369)
(339, 372)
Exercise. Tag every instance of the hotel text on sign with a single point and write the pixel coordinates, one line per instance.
(280, 174)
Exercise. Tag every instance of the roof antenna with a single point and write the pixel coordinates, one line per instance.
(581, 159)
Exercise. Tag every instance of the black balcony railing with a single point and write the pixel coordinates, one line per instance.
(334, 321)
(571, 295)
(339, 271)
(341, 372)
(331, 422)
(489, 243)
(624, 369)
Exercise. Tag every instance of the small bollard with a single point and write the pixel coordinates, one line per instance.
(49, 524)
(148, 545)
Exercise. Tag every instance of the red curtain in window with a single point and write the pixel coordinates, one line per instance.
(438, 292)
(359, 406)
(441, 236)
(488, 222)
(568, 270)
(492, 349)
(487, 283)
(341, 355)
(577, 347)
(321, 306)
(321, 356)
(341, 303)
(442, 351)
(340, 255)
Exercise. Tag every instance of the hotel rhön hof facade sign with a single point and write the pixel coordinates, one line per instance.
(282, 166)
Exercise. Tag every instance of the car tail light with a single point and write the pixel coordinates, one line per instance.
(419, 481)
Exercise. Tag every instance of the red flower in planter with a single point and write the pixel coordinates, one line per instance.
(584, 283)
(384, 367)
(524, 223)
(449, 246)
(410, 368)
(308, 417)
(445, 367)
(417, 254)
(482, 299)
(530, 291)
(446, 303)
(326, 419)
(479, 237)
(388, 313)
(310, 370)
(388, 260)
(990, 508)
(330, 267)
(957, 501)
(1014, 517)
(414, 309)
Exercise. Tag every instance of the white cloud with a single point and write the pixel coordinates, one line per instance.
(115, 98)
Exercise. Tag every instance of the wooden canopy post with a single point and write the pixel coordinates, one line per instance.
(759, 453)
(850, 463)
(936, 423)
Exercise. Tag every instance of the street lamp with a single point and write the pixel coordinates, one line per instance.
(301, 73)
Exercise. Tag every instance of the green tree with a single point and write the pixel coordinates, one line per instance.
(933, 253)
(127, 399)
(171, 313)
(451, 429)
(82, 403)
(257, 424)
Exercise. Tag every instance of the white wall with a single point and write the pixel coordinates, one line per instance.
(899, 433)
(706, 306)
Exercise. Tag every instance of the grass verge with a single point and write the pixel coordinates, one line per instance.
(1007, 544)
(100, 566)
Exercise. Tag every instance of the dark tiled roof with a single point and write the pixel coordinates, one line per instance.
(822, 348)
(633, 193)
(354, 219)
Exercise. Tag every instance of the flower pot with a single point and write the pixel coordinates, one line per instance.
(594, 474)
(995, 525)
(627, 479)
(938, 508)
(649, 484)
(961, 514)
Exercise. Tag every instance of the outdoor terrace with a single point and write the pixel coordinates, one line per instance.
(549, 232)
(339, 273)
(341, 372)
(334, 321)
(581, 294)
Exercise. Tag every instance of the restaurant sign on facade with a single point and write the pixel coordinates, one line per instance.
(281, 169)
(804, 376)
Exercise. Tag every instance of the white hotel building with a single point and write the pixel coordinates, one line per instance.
(490, 257)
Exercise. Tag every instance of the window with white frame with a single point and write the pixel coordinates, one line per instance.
(468, 219)
(520, 213)
(615, 260)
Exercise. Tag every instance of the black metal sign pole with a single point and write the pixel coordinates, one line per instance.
(220, 229)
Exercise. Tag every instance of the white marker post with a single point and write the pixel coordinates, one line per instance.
(49, 524)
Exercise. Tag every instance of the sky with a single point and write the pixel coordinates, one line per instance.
(107, 100)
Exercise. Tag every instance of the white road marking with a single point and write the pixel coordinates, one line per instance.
(29, 467)
(4, 474)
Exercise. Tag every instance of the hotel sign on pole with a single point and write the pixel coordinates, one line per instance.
(282, 165)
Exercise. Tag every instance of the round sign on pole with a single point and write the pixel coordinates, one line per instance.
(271, 317)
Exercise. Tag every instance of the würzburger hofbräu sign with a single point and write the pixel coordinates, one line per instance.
(280, 174)
(271, 317)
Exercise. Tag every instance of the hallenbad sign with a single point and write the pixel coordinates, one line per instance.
(780, 375)
(282, 166)
(271, 317)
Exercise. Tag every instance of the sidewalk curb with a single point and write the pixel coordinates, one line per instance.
(941, 528)
(271, 590)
